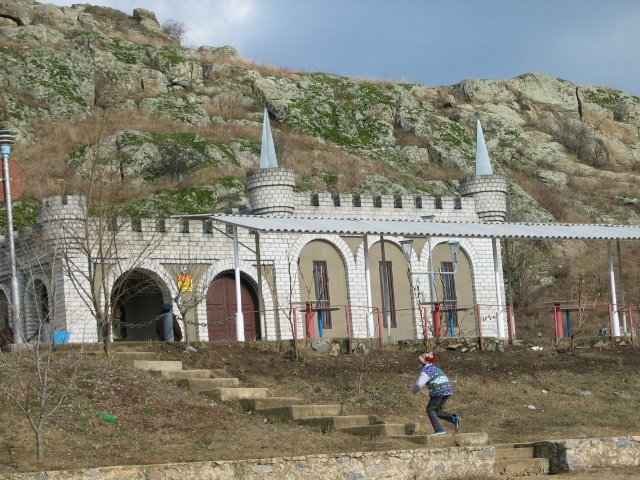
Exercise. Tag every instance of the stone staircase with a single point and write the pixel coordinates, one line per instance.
(518, 460)
(512, 460)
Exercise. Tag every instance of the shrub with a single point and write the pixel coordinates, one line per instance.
(175, 29)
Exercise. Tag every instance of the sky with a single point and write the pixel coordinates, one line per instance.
(429, 42)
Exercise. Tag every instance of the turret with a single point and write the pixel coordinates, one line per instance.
(489, 191)
(62, 207)
(270, 187)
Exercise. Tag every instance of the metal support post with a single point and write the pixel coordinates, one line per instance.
(6, 140)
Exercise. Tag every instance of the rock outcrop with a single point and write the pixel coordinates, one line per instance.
(554, 139)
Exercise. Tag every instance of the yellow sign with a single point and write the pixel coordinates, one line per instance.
(185, 282)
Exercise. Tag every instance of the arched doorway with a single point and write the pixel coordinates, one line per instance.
(391, 290)
(222, 307)
(455, 291)
(137, 299)
(322, 277)
(6, 332)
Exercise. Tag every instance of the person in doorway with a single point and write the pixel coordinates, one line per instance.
(167, 325)
(440, 390)
(6, 336)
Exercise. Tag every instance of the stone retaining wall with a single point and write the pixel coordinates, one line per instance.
(419, 464)
(590, 453)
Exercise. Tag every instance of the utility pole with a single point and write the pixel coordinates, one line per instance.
(7, 139)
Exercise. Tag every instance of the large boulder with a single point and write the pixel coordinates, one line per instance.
(147, 20)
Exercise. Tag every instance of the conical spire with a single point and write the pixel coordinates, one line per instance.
(267, 151)
(483, 163)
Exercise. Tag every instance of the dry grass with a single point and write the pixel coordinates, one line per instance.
(552, 199)
(312, 160)
(248, 64)
(226, 105)
(434, 171)
(406, 138)
(43, 159)
(163, 422)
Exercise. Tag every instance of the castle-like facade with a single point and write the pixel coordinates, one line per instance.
(291, 284)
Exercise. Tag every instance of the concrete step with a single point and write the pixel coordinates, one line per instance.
(458, 440)
(259, 404)
(338, 422)
(158, 365)
(514, 453)
(382, 430)
(295, 412)
(186, 374)
(238, 393)
(129, 357)
(204, 384)
(522, 467)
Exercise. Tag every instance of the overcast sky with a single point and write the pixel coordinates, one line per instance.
(432, 42)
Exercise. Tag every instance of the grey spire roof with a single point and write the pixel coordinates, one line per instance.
(267, 151)
(483, 163)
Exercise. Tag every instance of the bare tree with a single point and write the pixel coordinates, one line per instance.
(34, 376)
(98, 242)
(527, 265)
(582, 139)
(189, 291)
(174, 28)
(586, 300)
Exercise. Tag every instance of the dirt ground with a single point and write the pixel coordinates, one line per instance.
(519, 395)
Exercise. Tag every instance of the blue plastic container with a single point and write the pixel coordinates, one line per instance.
(61, 336)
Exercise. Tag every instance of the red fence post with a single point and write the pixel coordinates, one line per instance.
(308, 320)
(437, 321)
(557, 315)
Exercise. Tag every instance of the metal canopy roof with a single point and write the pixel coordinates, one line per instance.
(419, 228)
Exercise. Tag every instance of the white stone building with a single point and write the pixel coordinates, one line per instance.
(334, 284)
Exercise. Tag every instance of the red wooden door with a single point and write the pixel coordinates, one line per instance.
(222, 307)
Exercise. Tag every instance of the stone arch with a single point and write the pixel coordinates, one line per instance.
(37, 309)
(5, 294)
(169, 288)
(339, 244)
(250, 273)
(137, 295)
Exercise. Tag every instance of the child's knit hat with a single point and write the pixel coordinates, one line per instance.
(427, 358)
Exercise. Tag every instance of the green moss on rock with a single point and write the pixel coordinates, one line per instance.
(179, 201)
(25, 214)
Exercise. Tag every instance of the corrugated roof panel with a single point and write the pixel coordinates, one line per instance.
(408, 228)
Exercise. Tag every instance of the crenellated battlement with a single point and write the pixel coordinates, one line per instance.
(62, 207)
(384, 206)
(271, 192)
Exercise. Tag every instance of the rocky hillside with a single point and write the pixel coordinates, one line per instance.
(86, 86)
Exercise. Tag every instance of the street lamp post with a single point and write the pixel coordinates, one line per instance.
(454, 248)
(7, 139)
